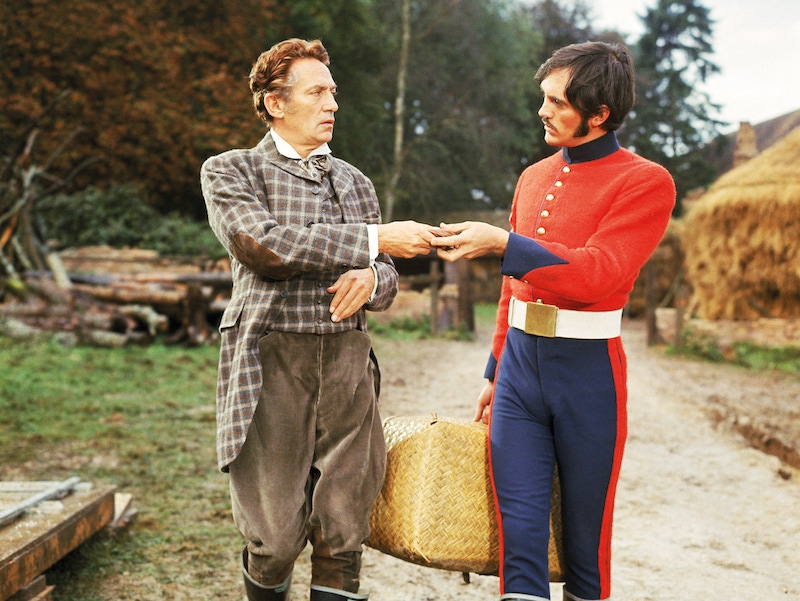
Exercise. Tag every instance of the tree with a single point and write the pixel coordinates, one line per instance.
(396, 169)
(560, 24)
(452, 140)
(672, 116)
(155, 86)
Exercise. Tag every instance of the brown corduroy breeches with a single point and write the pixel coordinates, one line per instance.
(314, 458)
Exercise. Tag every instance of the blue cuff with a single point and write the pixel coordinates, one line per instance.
(491, 368)
(524, 254)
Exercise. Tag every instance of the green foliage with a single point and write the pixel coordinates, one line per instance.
(402, 328)
(745, 354)
(174, 235)
(156, 87)
(673, 116)
(695, 344)
(119, 217)
(756, 357)
(141, 419)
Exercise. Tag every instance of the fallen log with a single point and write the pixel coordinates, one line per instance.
(126, 303)
(132, 294)
(216, 279)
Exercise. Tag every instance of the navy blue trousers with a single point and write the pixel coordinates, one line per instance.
(557, 401)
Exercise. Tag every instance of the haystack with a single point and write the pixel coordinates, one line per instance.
(742, 239)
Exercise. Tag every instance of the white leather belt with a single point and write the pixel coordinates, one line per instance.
(552, 322)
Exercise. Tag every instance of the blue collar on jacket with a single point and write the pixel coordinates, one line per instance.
(591, 151)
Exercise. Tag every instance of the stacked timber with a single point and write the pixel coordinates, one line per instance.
(112, 297)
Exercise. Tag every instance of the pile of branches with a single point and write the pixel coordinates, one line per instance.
(38, 297)
(23, 245)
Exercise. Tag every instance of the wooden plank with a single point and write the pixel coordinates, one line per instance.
(32, 544)
(38, 590)
(24, 487)
(54, 491)
(124, 512)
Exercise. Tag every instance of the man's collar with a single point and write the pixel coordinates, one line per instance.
(286, 149)
(591, 151)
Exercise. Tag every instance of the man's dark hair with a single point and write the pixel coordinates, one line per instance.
(601, 74)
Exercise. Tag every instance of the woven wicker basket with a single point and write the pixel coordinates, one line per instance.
(436, 507)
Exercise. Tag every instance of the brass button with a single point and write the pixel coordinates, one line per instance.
(566, 169)
(540, 231)
(545, 213)
(549, 197)
(559, 183)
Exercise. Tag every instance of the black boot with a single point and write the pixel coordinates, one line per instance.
(259, 592)
(323, 593)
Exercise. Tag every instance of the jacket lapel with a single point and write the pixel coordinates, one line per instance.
(342, 180)
(291, 166)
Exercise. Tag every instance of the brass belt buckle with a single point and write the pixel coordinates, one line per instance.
(540, 319)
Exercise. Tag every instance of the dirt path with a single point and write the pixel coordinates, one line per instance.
(700, 514)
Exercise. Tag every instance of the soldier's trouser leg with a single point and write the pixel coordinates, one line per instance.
(557, 400)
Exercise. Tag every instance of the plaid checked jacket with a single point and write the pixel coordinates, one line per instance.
(290, 235)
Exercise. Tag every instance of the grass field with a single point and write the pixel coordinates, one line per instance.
(143, 420)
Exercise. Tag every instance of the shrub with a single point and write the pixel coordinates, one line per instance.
(120, 217)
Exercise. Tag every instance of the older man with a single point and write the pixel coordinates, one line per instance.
(298, 424)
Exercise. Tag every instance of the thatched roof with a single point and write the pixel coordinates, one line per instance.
(742, 238)
(720, 152)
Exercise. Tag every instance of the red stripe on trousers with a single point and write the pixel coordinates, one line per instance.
(616, 355)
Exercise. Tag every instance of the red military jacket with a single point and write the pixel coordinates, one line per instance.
(584, 222)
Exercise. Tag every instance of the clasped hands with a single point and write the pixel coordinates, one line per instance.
(467, 240)
(406, 239)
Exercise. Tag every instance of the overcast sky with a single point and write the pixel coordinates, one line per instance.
(756, 44)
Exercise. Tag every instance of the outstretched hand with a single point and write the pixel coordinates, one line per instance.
(469, 239)
(405, 239)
